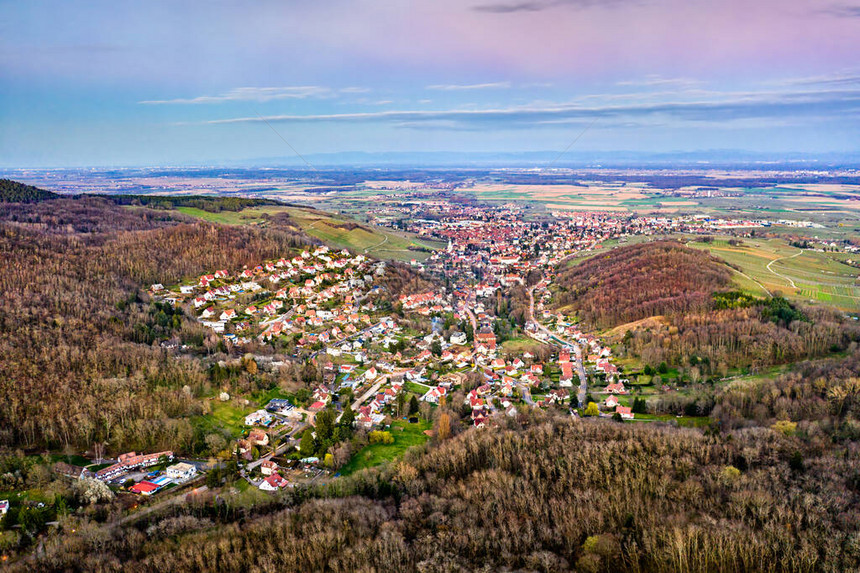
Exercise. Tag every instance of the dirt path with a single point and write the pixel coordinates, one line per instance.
(791, 282)
(755, 281)
(368, 249)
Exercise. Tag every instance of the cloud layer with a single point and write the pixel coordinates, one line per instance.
(792, 106)
(255, 94)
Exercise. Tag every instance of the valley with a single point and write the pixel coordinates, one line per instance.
(291, 359)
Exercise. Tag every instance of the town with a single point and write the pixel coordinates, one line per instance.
(484, 337)
(393, 359)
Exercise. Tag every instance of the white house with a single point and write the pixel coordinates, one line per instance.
(268, 467)
(181, 471)
(259, 417)
(458, 338)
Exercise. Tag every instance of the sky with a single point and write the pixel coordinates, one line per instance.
(122, 82)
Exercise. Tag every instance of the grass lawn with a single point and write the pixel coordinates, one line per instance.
(640, 380)
(75, 460)
(263, 397)
(405, 436)
(683, 421)
(16, 497)
(416, 388)
(97, 467)
(224, 416)
(520, 345)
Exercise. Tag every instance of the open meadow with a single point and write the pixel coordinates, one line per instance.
(405, 436)
(334, 231)
(772, 265)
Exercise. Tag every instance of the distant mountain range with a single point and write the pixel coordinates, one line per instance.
(702, 159)
(545, 159)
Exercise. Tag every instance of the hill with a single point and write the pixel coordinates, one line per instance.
(78, 335)
(207, 203)
(704, 323)
(635, 282)
(15, 192)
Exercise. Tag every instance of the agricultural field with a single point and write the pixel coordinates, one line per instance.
(591, 196)
(341, 233)
(827, 204)
(334, 231)
(772, 265)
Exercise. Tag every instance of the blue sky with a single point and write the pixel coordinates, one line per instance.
(157, 82)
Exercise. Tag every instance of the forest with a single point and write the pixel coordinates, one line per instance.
(212, 204)
(540, 493)
(15, 192)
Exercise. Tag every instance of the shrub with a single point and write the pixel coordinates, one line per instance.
(380, 437)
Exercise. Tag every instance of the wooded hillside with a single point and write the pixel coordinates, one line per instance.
(15, 192)
(638, 281)
(544, 493)
(80, 342)
(704, 323)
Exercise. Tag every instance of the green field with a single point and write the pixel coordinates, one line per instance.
(415, 388)
(334, 231)
(683, 421)
(799, 274)
(382, 243)
(225, 416)
(249, 216)
(520, 345)
(407, 436)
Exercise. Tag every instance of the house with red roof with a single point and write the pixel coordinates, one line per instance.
(616, 388)
(625, 411)
(144, 488)
(273, 483)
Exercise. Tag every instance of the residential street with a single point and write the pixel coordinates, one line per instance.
(580, 369)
